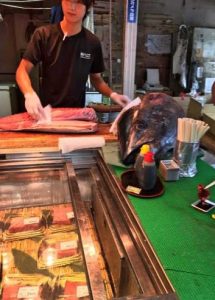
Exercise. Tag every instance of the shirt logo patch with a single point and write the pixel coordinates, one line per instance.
(85, 55)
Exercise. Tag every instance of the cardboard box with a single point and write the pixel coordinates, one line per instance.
(208, 116)
(194, 110)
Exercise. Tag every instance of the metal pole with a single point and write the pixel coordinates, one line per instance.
(130, 41)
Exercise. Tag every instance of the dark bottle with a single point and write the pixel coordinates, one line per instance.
(139, 160)
(147, 172)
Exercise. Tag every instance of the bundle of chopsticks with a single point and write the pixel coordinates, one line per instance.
(190, 130)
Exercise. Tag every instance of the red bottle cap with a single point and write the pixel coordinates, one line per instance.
(149, 157)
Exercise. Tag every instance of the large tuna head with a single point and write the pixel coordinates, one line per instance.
(152, 122)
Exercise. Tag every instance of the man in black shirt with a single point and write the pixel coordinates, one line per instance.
(69, 53)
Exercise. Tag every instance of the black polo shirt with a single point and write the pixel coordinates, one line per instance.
(66, 64)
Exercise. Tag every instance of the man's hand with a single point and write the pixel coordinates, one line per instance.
(122, 100)
(34, 106)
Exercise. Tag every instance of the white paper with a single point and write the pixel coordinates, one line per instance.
(28, 292)
(208, 49)
(75, 143)
(208, 84)
(134, 102)
(153, 76)
(209, 67)
(159, 43)
(82, 291)
(68, 245)
(33, 220)
(70, 215)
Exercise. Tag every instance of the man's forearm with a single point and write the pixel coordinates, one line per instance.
(101, 86)
(23, 80)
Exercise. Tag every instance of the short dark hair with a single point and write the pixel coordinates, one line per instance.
(88, 3)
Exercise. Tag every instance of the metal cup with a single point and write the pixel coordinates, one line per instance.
(185, 155)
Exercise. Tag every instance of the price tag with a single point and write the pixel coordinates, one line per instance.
(28, 292)
(68, 245)
(133, 189)
(70, 215)
(33, 220)
(82, 291)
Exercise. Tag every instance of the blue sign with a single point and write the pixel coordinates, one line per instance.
(132, 11)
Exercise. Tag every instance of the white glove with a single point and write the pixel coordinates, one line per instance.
(122, 100)
(34, 106)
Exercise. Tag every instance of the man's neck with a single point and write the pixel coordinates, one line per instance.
(70, 28)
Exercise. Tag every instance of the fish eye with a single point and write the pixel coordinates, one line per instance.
(140, 126)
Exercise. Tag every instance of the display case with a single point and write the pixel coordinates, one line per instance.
(203, 60)
(69, 232)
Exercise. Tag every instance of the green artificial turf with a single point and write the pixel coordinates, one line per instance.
(183, 237)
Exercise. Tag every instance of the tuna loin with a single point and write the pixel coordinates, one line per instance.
(78, 120)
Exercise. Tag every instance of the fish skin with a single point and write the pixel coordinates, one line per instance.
(152, 122)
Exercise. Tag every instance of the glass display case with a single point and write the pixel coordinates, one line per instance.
(69, 232)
